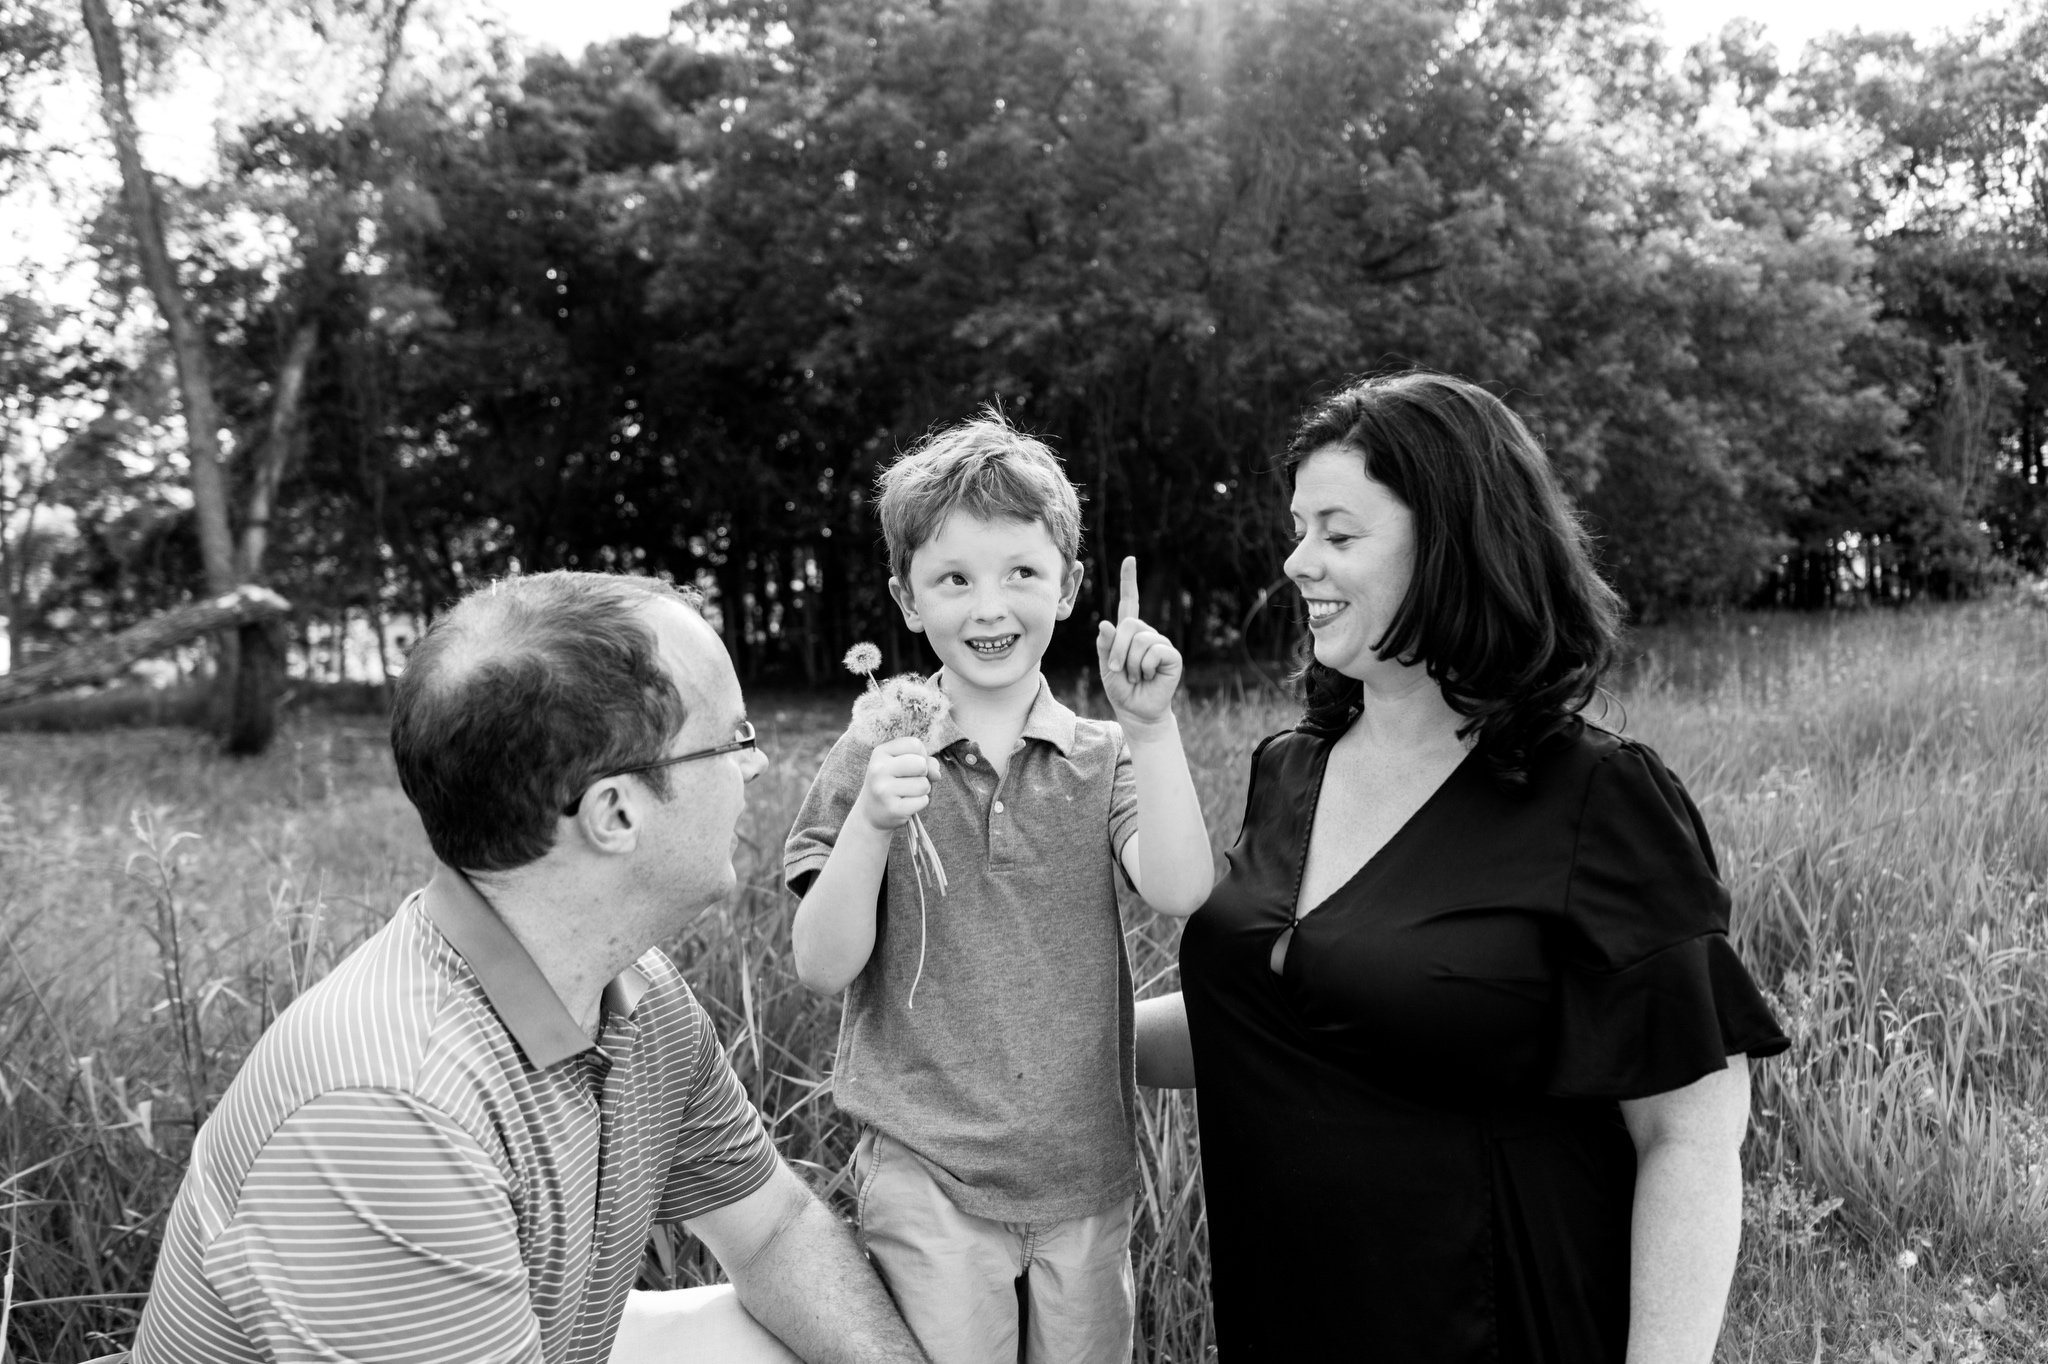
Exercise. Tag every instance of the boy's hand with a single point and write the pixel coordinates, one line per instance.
(1140, 669)
(898, 784)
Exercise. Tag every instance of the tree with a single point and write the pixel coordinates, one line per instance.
(46, 387)
(250, 660)
(1953, 201)
(248, 666)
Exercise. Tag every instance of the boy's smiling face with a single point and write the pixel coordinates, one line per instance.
(986, 594)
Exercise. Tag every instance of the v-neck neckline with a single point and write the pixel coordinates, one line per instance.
(1296, 915)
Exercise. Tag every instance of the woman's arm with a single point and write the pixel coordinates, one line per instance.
(1166, 1058)
(1688, 1214)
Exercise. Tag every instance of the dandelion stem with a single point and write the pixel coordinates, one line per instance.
(917, 871)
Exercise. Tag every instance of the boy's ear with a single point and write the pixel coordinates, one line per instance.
(906, 603)
(1070, 589)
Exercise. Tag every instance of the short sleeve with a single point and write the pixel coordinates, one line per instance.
(373, 1227)
(1651, 995)
(1123, 798)
(722, 1152)
(823, 813)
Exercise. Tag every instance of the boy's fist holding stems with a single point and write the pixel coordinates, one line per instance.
(898, 784)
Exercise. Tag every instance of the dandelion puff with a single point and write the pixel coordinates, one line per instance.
(871, 718)
(904, 707)
(862, 660)
(920, 705)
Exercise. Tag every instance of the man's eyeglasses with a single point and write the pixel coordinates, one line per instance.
(742, 738)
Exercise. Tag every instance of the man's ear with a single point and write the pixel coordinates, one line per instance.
(906, 602)
(607, 820)
(1070, 589)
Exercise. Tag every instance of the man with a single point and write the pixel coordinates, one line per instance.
(452, 1148)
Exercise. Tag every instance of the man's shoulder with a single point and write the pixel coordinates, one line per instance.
(370, 1006)
(393, 1015)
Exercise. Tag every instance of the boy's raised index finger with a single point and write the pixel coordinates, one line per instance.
(1127, 590)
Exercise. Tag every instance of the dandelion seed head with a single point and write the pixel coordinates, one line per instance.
(862, 659)
(904, 707)
(1906, 1259)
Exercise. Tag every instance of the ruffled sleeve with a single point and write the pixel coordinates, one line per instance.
(1651, 996)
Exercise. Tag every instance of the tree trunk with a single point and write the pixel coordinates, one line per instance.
(14, 580)
(195, 390)
(383, 653)
(256, 684)
(17, 616)
(276, 449)
(159, 272)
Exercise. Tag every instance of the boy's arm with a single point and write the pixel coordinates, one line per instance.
(1168, 859)
(834, 931)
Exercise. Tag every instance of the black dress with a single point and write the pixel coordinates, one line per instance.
(1411, 1145)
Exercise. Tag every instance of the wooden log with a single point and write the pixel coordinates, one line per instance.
(100, 659)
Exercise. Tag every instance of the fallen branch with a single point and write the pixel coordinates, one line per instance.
(101, 659)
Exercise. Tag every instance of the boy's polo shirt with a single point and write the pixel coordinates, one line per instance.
(1013, 1077)
(425, 1158)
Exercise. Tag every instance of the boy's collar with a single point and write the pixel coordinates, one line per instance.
(1048, 720)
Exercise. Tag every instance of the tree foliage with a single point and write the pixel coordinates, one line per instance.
(668, 305)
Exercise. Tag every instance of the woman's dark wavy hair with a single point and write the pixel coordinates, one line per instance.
(1505, 610)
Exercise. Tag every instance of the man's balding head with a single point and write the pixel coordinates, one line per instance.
(520, 697)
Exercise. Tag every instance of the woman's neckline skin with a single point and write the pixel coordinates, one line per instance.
(1403, 715)
(1406, 751)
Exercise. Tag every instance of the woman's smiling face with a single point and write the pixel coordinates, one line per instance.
(1353, 558)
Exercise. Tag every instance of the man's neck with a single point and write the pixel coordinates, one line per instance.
(554, 923)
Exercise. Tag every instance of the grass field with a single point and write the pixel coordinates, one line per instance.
(1878, 786)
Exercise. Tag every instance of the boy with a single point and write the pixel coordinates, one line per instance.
(997, 1113)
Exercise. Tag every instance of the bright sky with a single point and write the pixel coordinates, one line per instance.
(37, 235)
(568, 25)
(1791, 24)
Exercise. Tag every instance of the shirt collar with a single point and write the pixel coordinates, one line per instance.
(1048, 720)
(524, 1001)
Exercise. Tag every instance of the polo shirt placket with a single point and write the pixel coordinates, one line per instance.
(995, 798)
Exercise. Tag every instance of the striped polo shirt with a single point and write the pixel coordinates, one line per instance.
(1011, 1076)
(426, 1159)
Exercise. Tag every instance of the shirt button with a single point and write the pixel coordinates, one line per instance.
(999, 807)
(970, 759)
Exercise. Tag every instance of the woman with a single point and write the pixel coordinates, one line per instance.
(1472, 1046)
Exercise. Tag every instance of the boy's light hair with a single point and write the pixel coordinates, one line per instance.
(986, 468)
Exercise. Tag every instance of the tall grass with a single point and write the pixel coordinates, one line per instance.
(1877, 787)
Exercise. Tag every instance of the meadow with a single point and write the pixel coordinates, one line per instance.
(1878, 789)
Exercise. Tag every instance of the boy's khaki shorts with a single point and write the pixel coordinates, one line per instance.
(954, 1276)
